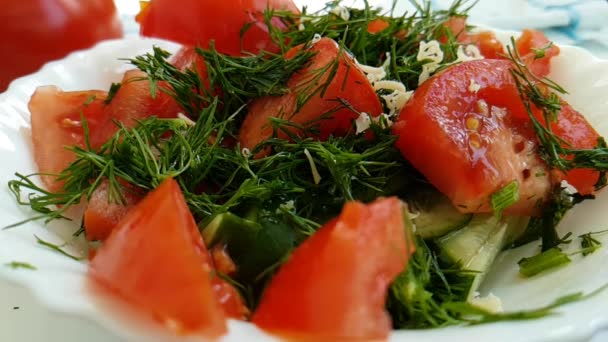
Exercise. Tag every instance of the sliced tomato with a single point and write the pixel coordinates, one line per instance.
(197, 23)
(134, 102)
(57, 119)
(377, 26)
(533, 46)
(470, 144)
(322, 109)
(488, 44)
(101, 215)
(157, 260)
(486, 41)
(56, 123)
(35, 32)
(333, 287)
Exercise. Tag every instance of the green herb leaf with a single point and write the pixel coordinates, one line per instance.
(589, 244)
(20, 264)
(476, 315)
(57, 248)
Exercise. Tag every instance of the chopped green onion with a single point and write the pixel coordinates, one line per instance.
(504, 198)
(549, 259)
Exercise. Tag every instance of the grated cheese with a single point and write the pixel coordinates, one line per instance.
(362, 123)
(245, 152)
(429, 51)
(375, 74)
(396, 100)
(341, 12)
(316, 38)
(490, 303)
(468, 53)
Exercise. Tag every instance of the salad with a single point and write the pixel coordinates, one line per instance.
(327, 175)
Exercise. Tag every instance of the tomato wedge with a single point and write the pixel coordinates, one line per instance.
(101, 216)
(157, 260)
(56, 123)
(470, 144)
(349, 84)
(197, 23)
(333, 286)
(57, 119)
(535, 51)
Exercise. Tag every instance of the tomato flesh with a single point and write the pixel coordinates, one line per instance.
(333, 286)
(157, 260)
(101, 216)
(56, 123)
(471, 144)
(527, 43)
(349, 84)
(191, 24)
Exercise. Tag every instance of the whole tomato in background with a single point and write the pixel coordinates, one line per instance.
(37, 31)
(198, 22)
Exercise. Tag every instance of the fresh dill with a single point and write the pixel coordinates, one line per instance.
(589, 244)
(400, 38)
(20, 265)
(57, 248)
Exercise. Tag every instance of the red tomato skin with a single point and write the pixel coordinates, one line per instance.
(434, 137)
(101, 217)
(377, 26)
(133, 102)
(333, 286)
(30, 30)
(486, 41)
(532, 39)
(56, 123)
(191, 24)
(489, 46)
(157, 260)
(349, 83)
(573, 128)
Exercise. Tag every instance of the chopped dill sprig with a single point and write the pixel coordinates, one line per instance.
(57, 248)
(590, 244)
(238, 79)
(401, 37)
(20, 265)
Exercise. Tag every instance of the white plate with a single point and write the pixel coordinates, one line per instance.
(60, 282)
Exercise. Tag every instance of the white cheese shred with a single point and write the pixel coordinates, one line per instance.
(429, 51)
(490, 303)
(316, 38)
(316, 177)
(362, 123)
(245, 152)
(341, 12)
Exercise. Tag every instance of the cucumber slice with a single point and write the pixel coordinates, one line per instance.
(254, 246)
(460, 246)
(436, 215)
(475, 247)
